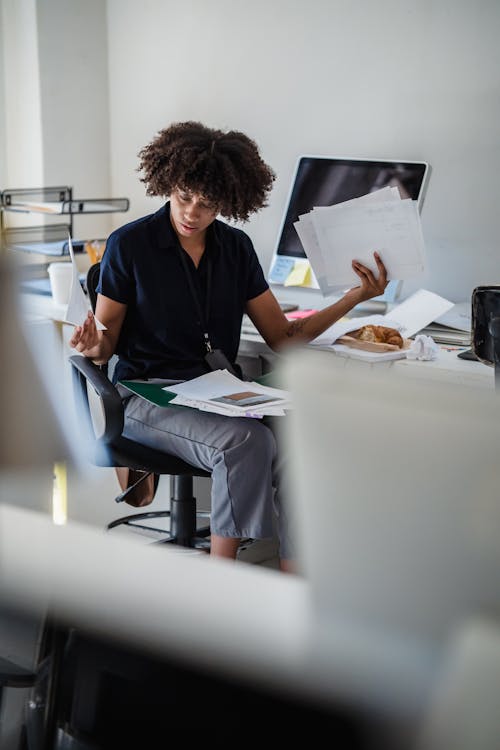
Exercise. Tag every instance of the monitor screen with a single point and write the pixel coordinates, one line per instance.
(325, 181)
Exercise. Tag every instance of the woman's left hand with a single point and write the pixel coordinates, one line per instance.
(370, 286)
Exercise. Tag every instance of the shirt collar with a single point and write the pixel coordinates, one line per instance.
(163, 230)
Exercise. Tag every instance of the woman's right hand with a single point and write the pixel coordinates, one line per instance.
(86, 336)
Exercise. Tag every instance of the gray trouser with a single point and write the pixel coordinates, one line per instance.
(240, 452)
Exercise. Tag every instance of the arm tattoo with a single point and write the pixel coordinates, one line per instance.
(295, 327)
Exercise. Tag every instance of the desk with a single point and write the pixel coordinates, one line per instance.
(447, 367)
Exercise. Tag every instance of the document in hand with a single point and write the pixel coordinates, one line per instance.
(334, 236)
(223, 393)
(78, 305)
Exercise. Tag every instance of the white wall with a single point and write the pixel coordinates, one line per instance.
(54, 129)
(21, 117)
(385, 79)
(3, 151)
(73, 58)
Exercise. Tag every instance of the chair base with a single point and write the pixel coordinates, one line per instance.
(183, 531)
(183, 516)
(198, 539)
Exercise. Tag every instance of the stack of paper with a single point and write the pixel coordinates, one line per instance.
(454, 327)
(223, 393)
(334, 236)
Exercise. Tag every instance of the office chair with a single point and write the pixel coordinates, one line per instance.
(110, 448)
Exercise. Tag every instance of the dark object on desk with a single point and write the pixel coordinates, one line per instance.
(111, 449)
(468, 354)
(494, 331)
(486, 326)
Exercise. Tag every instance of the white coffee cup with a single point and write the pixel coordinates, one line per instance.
(61, 276)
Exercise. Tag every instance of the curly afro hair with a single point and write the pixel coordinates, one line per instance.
(225, 168)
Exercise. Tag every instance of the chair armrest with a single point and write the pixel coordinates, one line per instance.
(85, 373)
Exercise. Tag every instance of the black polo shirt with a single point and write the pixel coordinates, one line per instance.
(161, 336)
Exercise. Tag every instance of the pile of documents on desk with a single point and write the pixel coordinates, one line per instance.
(223, 393)
(334, 236)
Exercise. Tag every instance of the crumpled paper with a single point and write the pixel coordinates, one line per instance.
(423, 347)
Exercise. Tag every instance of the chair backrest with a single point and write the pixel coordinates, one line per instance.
(92, 281)
(85, 373)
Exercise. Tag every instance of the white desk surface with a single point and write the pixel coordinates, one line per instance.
(447, 366)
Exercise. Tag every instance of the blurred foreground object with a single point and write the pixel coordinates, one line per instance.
(395, 494)
(30, 433)
(465, 711)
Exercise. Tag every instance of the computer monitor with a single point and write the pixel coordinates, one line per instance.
(327, 180)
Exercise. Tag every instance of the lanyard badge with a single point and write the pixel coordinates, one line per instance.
(215, 358)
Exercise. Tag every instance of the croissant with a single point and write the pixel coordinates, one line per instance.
(378, 335)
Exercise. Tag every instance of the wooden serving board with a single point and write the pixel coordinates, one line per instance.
(371, 346)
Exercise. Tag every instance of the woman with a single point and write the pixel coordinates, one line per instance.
(173, 289)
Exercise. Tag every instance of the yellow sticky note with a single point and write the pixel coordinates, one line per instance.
(300, 275)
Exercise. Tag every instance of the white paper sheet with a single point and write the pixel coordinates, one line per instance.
(351, 353)
(416, 312)
(334, 236)
(355, 231)
(78, 305)
(306, 230)
(458, 317)
(307, 235)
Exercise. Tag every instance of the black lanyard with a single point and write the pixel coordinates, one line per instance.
(215, 358)
(203, 316)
